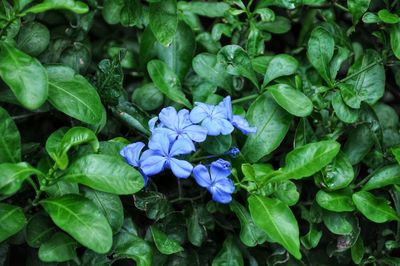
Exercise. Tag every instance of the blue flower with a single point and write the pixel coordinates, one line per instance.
(216, 180)
(131, 153)
(212, 117)
(237, 121)
(177, 125)
(161, 155)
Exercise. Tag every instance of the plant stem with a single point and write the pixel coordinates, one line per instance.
(359, 72)
(245, 98)
(341, 7)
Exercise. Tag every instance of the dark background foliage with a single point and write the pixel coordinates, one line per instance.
(316, 185)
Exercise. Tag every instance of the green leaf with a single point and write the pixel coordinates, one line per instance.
(164, 243)
(217, 144)
(293, 101)
(71, 5)
(12, 220)
(179, 54)
(206, 66)
(338, 174)
(385, 176)
(280, 65)
(229, 254)
(343, 112)
(272, 124)
(250, 234)
(357, 8)
(277, 220)
(13, 175)
(167, 82)
(206, 9)
(395, 40)
(306, 160)
(10, 139)
(279, 26)
(61, 141)
(164, 20)
(338, 201)
(237, 62)
(73, 95)
(109, 204)
(357, 251)
(349, 96)
(369, 84)
(80, 218)
(59, 248)
(375, 209)
(196, 232)
(320, 51)
(339, 223)
(312, 238)
(33, 38)
(38, 230)
(105, 173)
(112, 11)
(388, 17)
(359, 142)
(24, 75)
(127, 245)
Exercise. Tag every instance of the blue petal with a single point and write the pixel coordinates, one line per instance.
(242, 124)
(212, 126)
(169, 117)
(226, 104)
(153, 165)
(172, 134)
(152, 123)
(220, 196)
(219, 113)
(225, 185)
(196, 133)
(184, 119)
(202, 176)
(148, 153)
(200, 112)
(181, 168)
(145, 177)
(225, 126)
(131, 153)
(160, 142)
(220, 170)
(181, 146)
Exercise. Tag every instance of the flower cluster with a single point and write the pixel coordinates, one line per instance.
(175, 133)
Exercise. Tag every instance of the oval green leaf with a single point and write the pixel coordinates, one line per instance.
(10, 139)
(164, 244)
(164, 20)
(12, 220)
(59, 248)
(338, 201)
(280, 65)
(385, 176)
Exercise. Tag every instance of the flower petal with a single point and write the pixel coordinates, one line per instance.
(225, 126)
(196, 133)
(226, 104)
(131, 153)
(181, 146)
(181, 168)
(153, 165)
(145, 177)
(152, 123)
(212, 126)
(225, 185)
(200, 112)
(184, 119)
(160, 142)
(172, 135)
(220, 169)
(220, 196)
(202, 176)
(242, 124)
(169, 117)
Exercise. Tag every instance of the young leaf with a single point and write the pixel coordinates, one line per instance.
(320, 52)
(338, 174)
(80, 218)
(164, 20)
(293, 101)
(277, 220)
(167, 82)
(375, 209)
(237, 62)
(395, 39)
(230, 254)
(207, 9)
(164, 243)
(12, 220)
(73, 95)
(59, 248)
(272, 123)
(71, 5)
(338, 201)
(250, 234)
(357, 8)
(308, 159)
(105, 173)
(280, 65)
(10, 139)
(24, 75)
(130, 246)
(343, 112)
(385, 176)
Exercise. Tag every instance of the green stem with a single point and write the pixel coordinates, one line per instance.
(358, 72)
(245, 98)
(341, 7)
